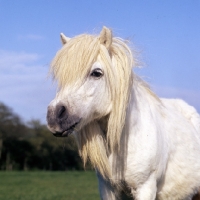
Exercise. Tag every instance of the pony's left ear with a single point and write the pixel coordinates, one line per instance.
(106, 37)
(64, 39)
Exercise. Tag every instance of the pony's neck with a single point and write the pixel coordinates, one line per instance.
(142, 99)
(141, 96)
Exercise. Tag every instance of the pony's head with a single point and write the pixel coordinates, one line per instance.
(94, 75)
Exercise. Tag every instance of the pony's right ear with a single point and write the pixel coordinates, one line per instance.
(106, 37)
(64, 39)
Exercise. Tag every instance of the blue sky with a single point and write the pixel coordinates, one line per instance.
(165, 33)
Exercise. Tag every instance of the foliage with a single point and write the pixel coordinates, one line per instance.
(48, 185)
(31, 146)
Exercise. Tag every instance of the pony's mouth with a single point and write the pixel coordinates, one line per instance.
(66, 132)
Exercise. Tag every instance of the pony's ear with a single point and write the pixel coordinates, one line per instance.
(64, 39)
(106, 37)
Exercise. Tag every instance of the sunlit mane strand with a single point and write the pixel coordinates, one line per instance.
(120, 80)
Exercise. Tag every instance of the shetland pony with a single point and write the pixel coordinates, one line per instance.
(139, 144)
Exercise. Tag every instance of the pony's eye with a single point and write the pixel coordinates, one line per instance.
(97, 73)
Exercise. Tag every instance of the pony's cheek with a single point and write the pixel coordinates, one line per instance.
(90, 92)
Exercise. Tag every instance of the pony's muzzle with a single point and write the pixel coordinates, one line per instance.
(60, 122)
(56, 116)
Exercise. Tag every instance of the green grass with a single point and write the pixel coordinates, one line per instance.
(48, 186)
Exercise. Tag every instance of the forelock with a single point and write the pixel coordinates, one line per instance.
(73, 61)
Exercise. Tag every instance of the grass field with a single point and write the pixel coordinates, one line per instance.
(48, 186)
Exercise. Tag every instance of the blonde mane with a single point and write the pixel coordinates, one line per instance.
(72, 65)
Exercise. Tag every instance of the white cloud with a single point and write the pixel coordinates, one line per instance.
(35, 37)
(10, 60)
(30, 37)
(24, 85)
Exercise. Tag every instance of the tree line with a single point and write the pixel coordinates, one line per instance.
(31, 146)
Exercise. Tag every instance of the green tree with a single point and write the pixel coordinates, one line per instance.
(11, 127)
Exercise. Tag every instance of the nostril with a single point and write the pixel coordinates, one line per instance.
(61, 112)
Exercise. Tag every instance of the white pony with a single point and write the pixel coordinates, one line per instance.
(140, 144)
